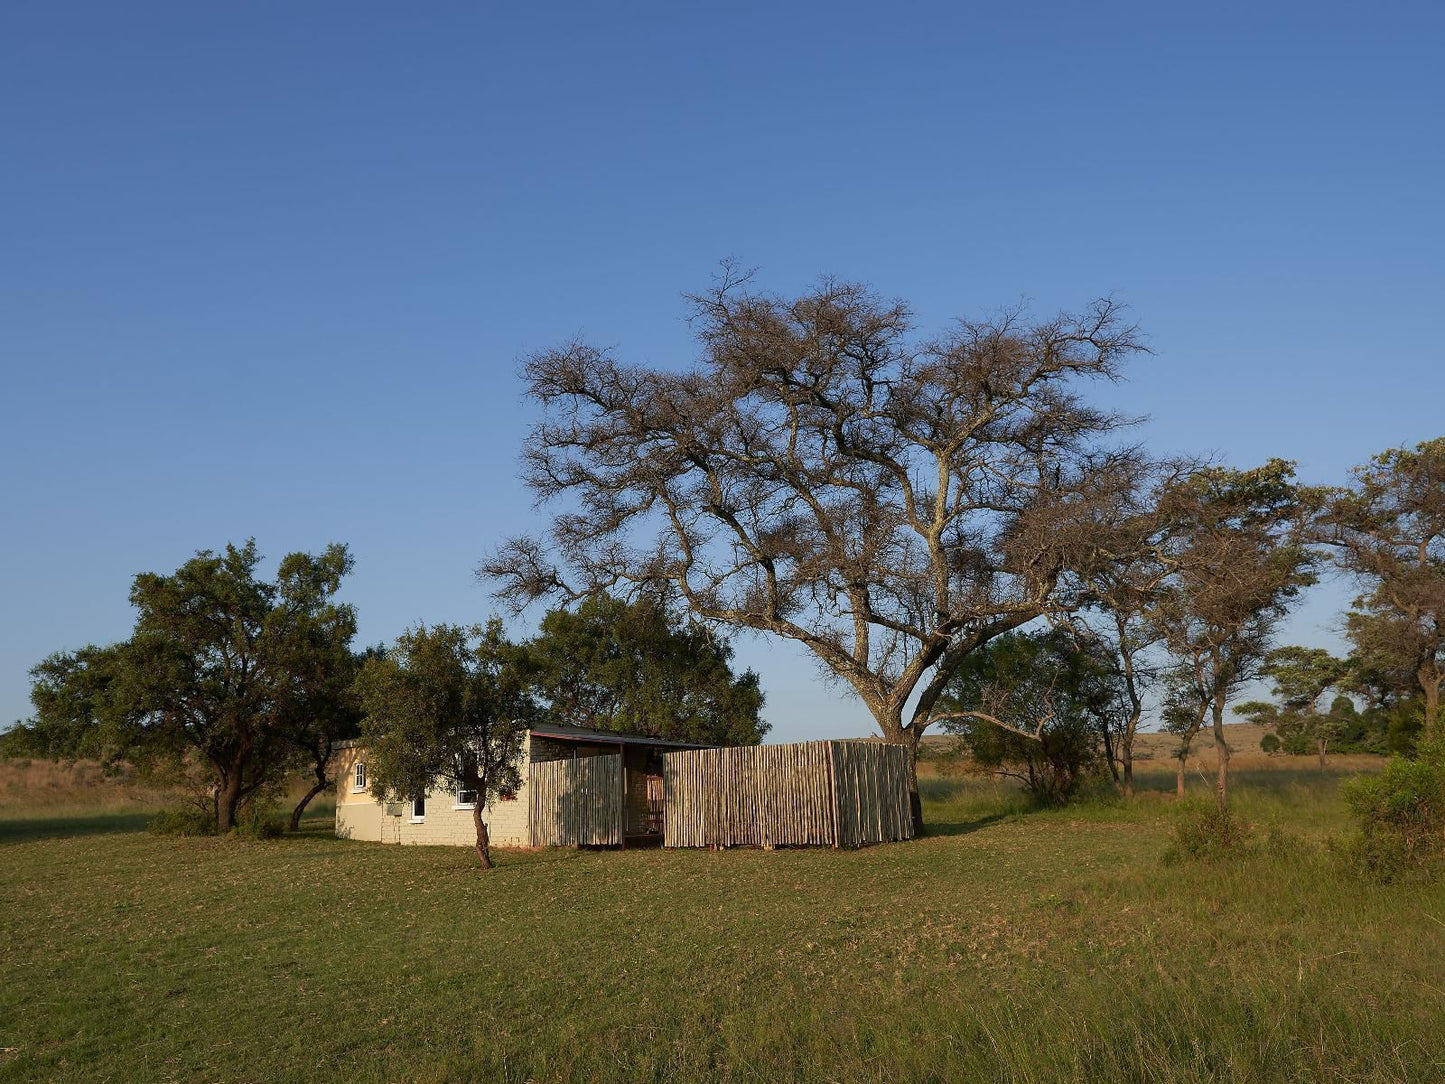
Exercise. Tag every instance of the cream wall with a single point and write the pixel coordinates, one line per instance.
(360, 816)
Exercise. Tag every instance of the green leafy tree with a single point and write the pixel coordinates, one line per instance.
(1239, 558)
(1301, 676)
(216, 676)
(1034, 707)
(615, 665)
(450, 706)
(1388, 530)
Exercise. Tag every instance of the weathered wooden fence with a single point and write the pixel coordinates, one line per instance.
(576, 802)
(833, 793)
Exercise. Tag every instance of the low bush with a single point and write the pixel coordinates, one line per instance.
(1401, 814)
(1206, 833)
(182, 822)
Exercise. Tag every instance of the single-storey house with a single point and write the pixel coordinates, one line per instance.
(585, 787)
(628, 765)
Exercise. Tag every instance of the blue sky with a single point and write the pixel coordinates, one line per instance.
(266, 269)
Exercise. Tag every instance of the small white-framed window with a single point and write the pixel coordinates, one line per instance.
(466, 799)
(359, 782)
(418, 809)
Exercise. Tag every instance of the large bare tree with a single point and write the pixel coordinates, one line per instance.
(824, 475)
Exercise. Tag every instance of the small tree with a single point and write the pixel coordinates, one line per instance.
(1124, 576)
(615, 665)
(1239, 559)
(1034, 708)
(1301, 675)
(447, 706)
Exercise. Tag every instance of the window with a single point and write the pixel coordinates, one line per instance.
(466, 797)
(418, 809)
(360, 783)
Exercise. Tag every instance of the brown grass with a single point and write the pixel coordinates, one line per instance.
(1154, 754)
(43, 785)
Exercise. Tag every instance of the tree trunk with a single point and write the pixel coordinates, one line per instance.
(316, 789)
(1110, 757)
(1221, 778)
(915, 801)
(1179, 777)
(321, 756)
(1429, 679)
(228, 800)
(484, 847)
(1128, 772)
(1320, 744)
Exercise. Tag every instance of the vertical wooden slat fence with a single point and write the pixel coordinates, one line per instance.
(576, 803)
(830, 793)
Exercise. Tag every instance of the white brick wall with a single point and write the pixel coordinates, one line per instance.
(362, 817)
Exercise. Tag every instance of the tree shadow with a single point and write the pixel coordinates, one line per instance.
(29, 829)
(968, 827)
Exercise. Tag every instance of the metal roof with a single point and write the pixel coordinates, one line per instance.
(562, 732)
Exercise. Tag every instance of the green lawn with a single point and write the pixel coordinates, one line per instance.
(1005, 946)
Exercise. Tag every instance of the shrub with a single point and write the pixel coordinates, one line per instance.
(1401, 813)
(257, 821)
(1209, 834)
(1270, 743)
(182, 822)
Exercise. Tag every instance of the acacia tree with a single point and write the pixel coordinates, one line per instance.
(214, 674)
(1238, 557)
(449, 706)
(1388, 531)
(616, 665)
(890, 504)
(1124, 577)
(1301, 675)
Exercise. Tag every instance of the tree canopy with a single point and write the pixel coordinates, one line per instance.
(224, 672)
(615, 665)
(1388, 531)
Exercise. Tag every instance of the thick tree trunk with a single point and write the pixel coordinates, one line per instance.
(1128, 772)
(484, 846)
(915, 801)
(1179, 776)
(228, 800)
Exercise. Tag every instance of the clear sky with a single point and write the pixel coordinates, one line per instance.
(266, 268)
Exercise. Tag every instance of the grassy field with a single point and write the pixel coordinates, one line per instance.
(1008, 946)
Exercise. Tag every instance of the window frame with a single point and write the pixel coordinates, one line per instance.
(418, 818)
(358, 777)
(461, 801)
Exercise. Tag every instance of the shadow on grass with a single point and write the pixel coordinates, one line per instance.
(968, 827)
(28, 829)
